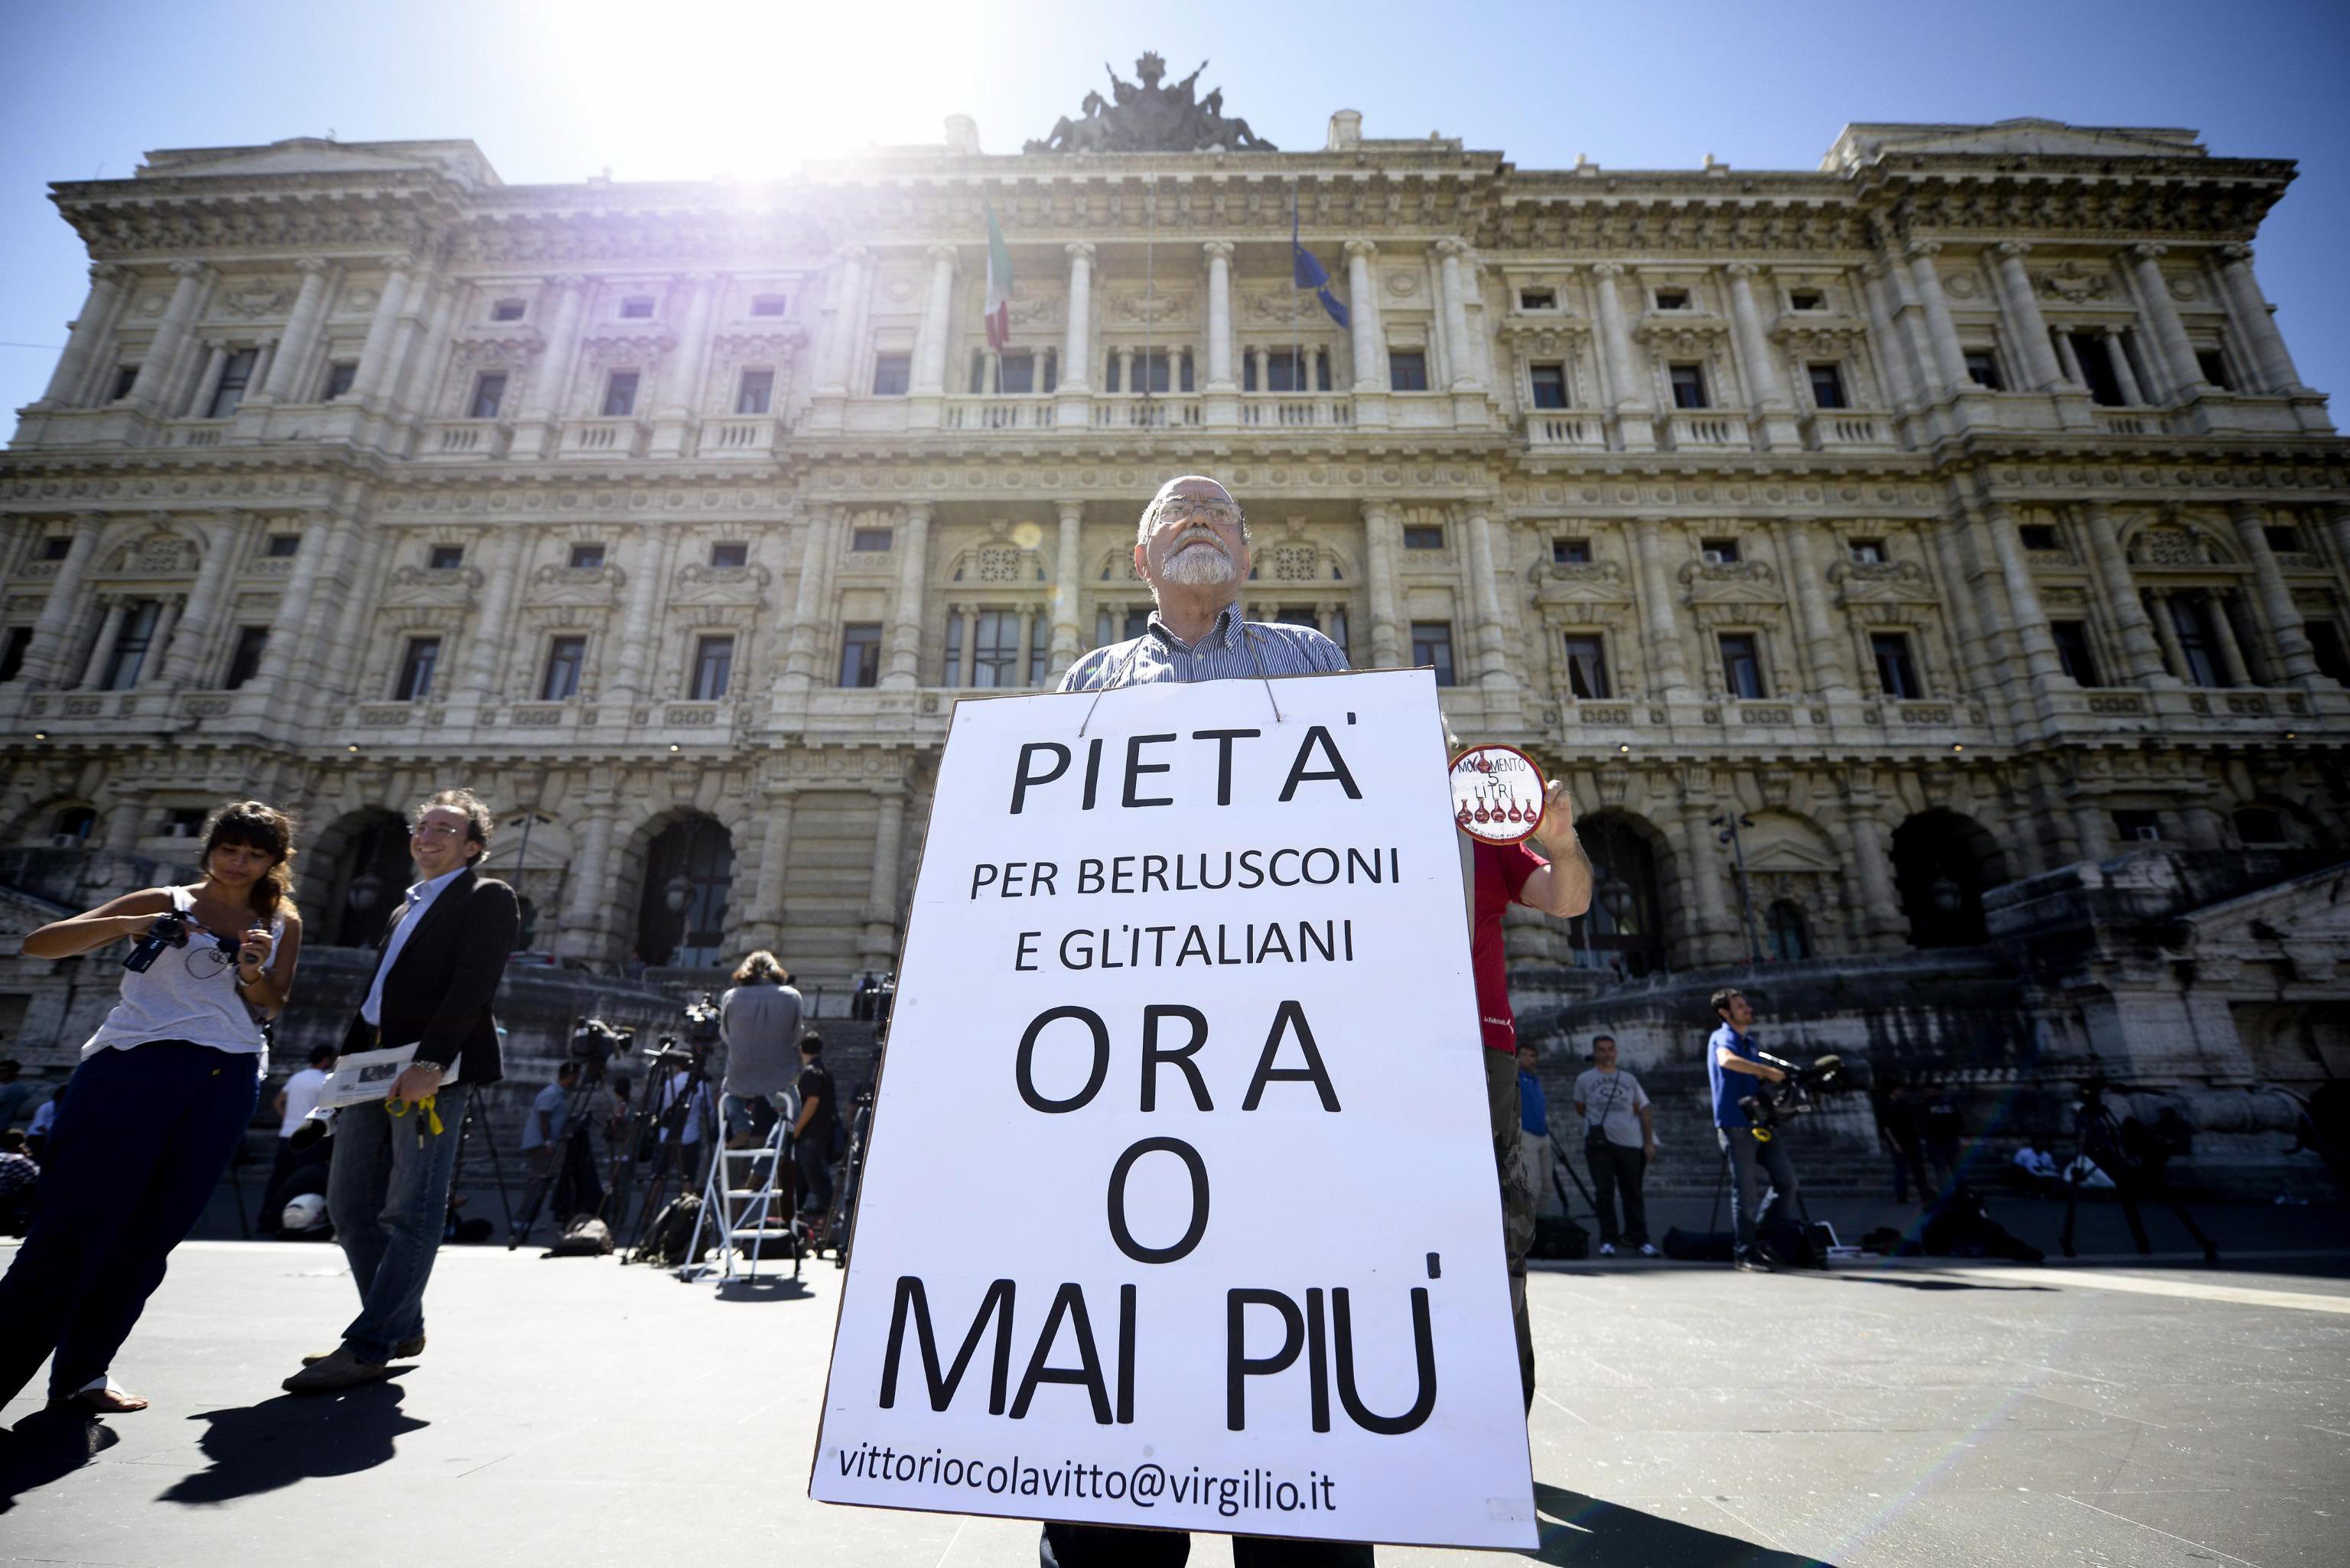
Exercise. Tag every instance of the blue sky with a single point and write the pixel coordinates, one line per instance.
(557, 92)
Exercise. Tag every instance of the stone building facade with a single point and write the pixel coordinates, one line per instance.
(1943, 517)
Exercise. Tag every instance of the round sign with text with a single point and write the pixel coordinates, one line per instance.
(1497, 793)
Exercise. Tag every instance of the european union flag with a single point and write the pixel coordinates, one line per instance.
(1306, 273)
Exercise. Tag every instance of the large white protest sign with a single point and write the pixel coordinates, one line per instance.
(1181, 1207)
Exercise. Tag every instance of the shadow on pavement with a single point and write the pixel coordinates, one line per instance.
(1931, 1284)
(766, 1288)
(262, 1448)
(47, 1446)
(1579, 1528)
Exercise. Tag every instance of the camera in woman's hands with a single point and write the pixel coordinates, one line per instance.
(170, 930)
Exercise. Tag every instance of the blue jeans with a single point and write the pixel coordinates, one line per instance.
(388, 1194)
(1751, 1159)
(139, 1143)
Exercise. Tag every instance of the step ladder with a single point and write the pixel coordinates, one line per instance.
(742, 1202)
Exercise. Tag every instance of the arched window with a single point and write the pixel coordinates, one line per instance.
(689, 871)
(1786, 935)
(1624, 930)
(373, 878)
(1942, 864)
(71, 827)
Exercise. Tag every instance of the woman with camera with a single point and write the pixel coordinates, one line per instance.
(163, 1094)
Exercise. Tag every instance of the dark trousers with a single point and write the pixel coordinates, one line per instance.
(1615, 1170)
(273, 1206)
(1751, 1160)
(1910, 1166)
(141, 1138)
(812, 1157)
(1107, 1546)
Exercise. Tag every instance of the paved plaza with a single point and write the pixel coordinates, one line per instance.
(572, 1411)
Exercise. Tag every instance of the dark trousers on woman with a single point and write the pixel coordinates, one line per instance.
(141, 1138)
(1618, 1171)
(1107, 1546)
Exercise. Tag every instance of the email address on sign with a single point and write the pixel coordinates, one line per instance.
(1254, 1490)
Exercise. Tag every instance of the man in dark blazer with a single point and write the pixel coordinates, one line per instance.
(388, 1190)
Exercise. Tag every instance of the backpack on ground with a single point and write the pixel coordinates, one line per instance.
(586, 1237)
(672, 1234)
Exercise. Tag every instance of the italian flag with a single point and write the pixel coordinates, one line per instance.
(999, 285)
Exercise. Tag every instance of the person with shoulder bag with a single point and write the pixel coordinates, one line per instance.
(162, 1097)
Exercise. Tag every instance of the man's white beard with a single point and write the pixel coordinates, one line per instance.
(1198, 564)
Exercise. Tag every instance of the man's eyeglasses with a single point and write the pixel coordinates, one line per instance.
(437, 830)
(1179, 509)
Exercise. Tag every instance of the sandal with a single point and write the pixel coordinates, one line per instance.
(106, 1401)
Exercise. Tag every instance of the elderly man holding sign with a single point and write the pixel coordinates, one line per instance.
(1196, 943)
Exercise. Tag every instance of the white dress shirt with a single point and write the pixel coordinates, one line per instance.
(420, 898)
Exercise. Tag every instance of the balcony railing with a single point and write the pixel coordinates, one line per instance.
(748, 436)
(1120, 410)
(457, 439)
(1292, 412)
(1686, 429)
(1553, 427)
(1847, 429)
(621, 436)
(1002, 413)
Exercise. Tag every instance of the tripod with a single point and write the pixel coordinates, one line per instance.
(2099, 1140)
(665, 1110)
(497, 1168)
(846, 1180)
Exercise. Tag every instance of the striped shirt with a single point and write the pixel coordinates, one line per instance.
(1232, 649)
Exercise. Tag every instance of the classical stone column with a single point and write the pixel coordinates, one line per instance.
(1764, 382)
(1076, 341)
(285, 651)
(832, 363)
(2166, 634)
(1219, 316)
(817, 538)
(930, 337)
(1379, 546)
(1492, 658)
(2092, 827)
(878, 945)
(2277, 608)
(2031, 622)
(223, 541)
(2182, 377)
(2249, 309)
(489, 635)
(88, 330)
(2231, 652)
(1894, 353)
(2026, 328)
(648, 571)
(2141, 653)
(2117, 356)
(584, 901)
(1067, 583)
(300, 339)
(1880, 909)
(1459, 354)
(420, 369)
(679, 400)
(775, 860)
(1942, 332)
(47, 652)
(1666, 661)
(1363, 316)
(200, 395)
(155, 371)
(375, 353)
(159, 643)
(1820, 639)
(1628, 383)
(549, 388)
(1702, 856)
(901, 670)
(93, 669)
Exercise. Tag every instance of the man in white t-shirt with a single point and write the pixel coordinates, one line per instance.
(1619, 1137)
(294, 1105)
(542, 1136)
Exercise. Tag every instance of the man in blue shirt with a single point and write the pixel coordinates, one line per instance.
(1731, 1066)
(1533, 1127)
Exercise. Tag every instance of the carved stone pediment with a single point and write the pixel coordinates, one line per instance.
(257, 299)
(1153, 309)
(498, 345)
(615, 345)
(1581, 582)
(1879, 582)
(1681, 331)
(780, 342)
(2074, 282)
(576, 585)
(700, 583)
(1730, 582)
(155, 555)
(1034, 310)
(1546, 334)
(433, 585)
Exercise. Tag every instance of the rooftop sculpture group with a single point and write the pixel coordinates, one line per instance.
(1150, 117)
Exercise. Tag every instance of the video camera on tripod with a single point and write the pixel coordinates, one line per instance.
(1800, 1092)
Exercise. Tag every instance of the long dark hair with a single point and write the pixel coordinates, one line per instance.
(258, 826)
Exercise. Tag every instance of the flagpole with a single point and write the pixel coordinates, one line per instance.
(1294, 242)
(1149, 242)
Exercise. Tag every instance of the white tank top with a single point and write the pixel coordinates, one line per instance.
(187, 993)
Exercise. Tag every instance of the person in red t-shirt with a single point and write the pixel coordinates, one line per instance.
(1506, 874)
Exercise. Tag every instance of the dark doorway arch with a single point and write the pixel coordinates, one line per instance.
(371, 875)
(1625, 929)
(1943, 864)
(689, 873)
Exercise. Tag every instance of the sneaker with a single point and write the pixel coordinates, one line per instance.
(1607, 1249)
(1753, 1266)
(1648, 1250)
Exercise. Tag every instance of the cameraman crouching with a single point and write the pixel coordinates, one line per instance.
(1731, 1060)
